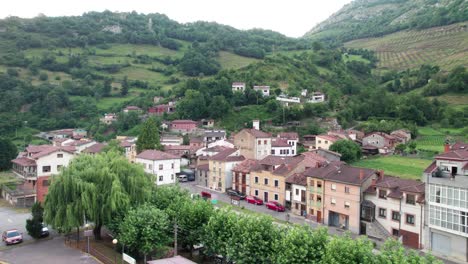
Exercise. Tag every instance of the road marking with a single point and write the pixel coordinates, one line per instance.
(9, 220)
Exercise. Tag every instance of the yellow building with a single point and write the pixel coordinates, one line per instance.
(220, 169)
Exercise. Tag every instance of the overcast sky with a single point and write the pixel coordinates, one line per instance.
(292, 18)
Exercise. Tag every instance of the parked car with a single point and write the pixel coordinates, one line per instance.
(183, 178)
(254, 200)
(206, 195)
(12, 236)
(236, 194)
(44, 231)
(272, 205)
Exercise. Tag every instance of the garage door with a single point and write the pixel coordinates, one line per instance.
(440, 244)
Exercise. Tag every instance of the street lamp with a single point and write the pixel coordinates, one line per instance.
(115, 241)
(86, 227)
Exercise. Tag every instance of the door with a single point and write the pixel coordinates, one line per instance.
(265, 196)
(441, 244)
(334, 219)
(319, 216)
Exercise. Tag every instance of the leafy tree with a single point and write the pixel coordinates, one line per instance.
(348, 250)
(95, 188)
(107, 88)
(8, 151)
(145, 229)
(192, 106)
(218, 107)
(114, 145)
(185, 140)
(218, 232)
(125, 86)
(301, 244)
(349, 150)
(149, 136)
(169, 198)
(34, 225)
(191, 219)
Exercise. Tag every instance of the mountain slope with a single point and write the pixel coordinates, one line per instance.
(373, 18)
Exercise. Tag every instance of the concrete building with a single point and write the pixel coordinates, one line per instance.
(183, 126)
(325, 141)
(317, 97)
(297, 184)
(163, 165)
(241, 175)
(383, 141)
(238, 87)
(280, 147)
(446, 211)
(253, 143)
(220, 167)
(264, 89)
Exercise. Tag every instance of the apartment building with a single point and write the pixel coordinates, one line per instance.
(220, 167)
(253, 143)
(163, 165)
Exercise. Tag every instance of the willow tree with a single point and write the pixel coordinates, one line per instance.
(95, 188)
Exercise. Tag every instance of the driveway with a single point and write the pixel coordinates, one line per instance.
(51, 251)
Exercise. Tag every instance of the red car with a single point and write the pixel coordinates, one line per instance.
(254, 200)
(206, 195)
(272, 205)
(12, 237)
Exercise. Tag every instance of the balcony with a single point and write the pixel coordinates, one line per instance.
(317, 204)
(315, 189)
(27, 175)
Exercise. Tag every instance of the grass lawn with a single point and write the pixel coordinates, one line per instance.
(237, 118)
(109, 102)
(129, 49)
(403, 167)
(230, 60)
(433, 139)
(351, 57)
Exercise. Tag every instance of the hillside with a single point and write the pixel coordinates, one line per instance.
(444, 46)
(374, 18)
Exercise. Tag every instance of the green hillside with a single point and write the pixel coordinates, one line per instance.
(442, 46)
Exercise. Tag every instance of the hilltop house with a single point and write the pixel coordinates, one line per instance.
(383, 141)
(183, 126)
(238, 87)
(109, 118)
(317, 97)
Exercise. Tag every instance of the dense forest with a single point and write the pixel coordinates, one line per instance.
(375, 18)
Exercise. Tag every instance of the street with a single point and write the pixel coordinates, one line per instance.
(12, 219)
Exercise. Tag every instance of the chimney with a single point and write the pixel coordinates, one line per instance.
(381, 174)
(361, 174)
(256, 124)
(446, 147)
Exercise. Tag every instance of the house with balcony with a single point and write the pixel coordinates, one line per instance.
(446, 209)
(241, 175)
(38, 163)
(162, 165)
(395, 205)
(221, 166)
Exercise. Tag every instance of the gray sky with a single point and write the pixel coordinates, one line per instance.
(292, 18)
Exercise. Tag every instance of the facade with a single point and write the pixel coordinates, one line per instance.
(129, 145)
(264, 89)
(308, 141)
(402, 135)
(202, 174)
(109, 118)
(132, 108)
(447, 203)
(325, 141)
(208, 123)
(317, 97)
(221, 166)
(238, 87)
(214, 135)
(383, 141)
(38, 163)
(398, 206)
(159, 110)
(286, 100)
(183, 126)
(171, 140)
(297, 194)
(163, 165)
(241, 175)
(280, 147)
(253, 143)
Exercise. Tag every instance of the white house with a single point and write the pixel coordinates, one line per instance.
(79, 145)
(163, 165)
(280, 147)
(304, 92)
(399, 207)
(292, 138)
(317, 97)
(238, 87)
(263, 88)
(109, 118)
(296, 193)
(286, 100)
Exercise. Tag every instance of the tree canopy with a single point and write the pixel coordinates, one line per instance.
(8, 152)
(149, 136)
(349, 150)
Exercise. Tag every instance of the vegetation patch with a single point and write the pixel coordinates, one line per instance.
(403, 167)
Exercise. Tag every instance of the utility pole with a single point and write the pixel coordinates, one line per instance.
(175, 238)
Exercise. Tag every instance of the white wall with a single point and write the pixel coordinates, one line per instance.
(52, 161)
(299, 188)
(168, 173)
(262, 150)
(284, 149)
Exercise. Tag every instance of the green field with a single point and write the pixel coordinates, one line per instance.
(403, 167)
(433, 139)
(443, 46)
(230, 60)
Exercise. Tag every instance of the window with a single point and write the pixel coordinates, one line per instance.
(347, 205)
(410, 219)
(272, 152)
(45, 168)
(326, 141)
(333, 187)
(276, 183)
(383, 194)
(256, 179)
(346, 189)
(160, 167)
(333, 201)
(382, 212)
(59, 167)
(297, 206)
(276, 197)
(161, 178)
(264, 142)
(45, 183)
(395, 216)
(312, 183)
(256, 192)
(319, 184)
(395, 232)
(259, 142)
(265, 181)
(150, 166)
(410, 199)
(320, 141)
(172, 165)
(297, 191)
(292, 151)
(172, 176)
(60, 155)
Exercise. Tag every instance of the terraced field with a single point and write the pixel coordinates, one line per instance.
(445, 46)
(433, 139)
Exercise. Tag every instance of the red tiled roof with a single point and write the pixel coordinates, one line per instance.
(246, 166)
(385, 135)
(458, 154)
(431, 167)
(223, 155)
(328, 137)
(297, 178)
(152, 154)
(272, 160)
(44, 150)
(204, 167)
(280, 143)
(258, 133)
(96, 148)
(340, 172)
(289, 135)
(398, 186)
(23, 161)
(196, 140)
(183, 122)
(180, 147)
(126, 144)
(132, 107)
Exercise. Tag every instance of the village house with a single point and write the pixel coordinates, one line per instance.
(159, 110)
(253, 143)
(292, 138)
(397, 205)
(38, 163)
(383, 141)
(402, 135)
(109, 118)
(163, 165)
(325, 141)
(202, 174)
(287, 101)
(171, 140)
(308, 141)
(297, 184)
(79, 145)
(94, 149)
(446, 224)
(220, 167)
(214, 135)
(129, 146)
(264, 89)
(241, 175)
(317, 97)
(238, 87)
(304, 92)
(183, 126)
(280, 147)
(196, 142)
(207, 123)
(132, 108)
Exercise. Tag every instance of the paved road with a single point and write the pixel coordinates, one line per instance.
(11, 219)
(52, 251)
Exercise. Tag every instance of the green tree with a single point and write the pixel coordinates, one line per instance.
(95, 188)
(349, 150)
(107, 88)
(149, 136)
(125, 86)
(34, 225)
(114, 145)
(145, 229)
(218, 107)
(218, 231)
(192, 105)
(191, 219)
(169, 198)
(8, 151)
(185, 139)
(348, 250)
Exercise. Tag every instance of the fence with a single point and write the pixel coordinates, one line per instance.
(95, 247)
